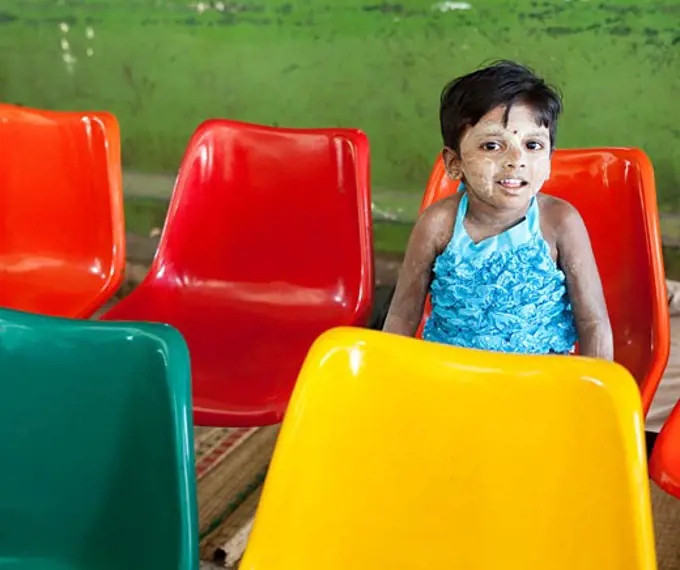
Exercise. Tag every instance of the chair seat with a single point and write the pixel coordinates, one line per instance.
(51, 286)
(62, 229)
(400, 454)
(245, 355)
(267, 243)
(97, 446)
(264, 361)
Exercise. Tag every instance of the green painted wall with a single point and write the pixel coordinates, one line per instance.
(162, 67)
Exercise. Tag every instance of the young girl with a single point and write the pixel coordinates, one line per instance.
(508, 269)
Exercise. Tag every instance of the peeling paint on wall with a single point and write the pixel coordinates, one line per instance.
(451, 6)
(67, 56)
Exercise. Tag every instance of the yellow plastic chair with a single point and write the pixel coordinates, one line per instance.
(397, 453)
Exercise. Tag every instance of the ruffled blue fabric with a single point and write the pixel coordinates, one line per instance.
(506, 299)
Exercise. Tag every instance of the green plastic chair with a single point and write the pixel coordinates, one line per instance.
(96, 444)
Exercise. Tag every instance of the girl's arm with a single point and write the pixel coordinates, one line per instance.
(575, 257)
(430, 235)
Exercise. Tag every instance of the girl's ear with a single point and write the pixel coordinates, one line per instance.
(452, 163)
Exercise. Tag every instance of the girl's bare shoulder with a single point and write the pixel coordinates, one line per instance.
(554, 213)
(439, 218)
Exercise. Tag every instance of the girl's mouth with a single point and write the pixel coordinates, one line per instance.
(512, 183)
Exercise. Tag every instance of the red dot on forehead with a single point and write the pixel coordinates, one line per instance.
(514, 132)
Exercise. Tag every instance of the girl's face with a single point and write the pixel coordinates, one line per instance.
(503, 165)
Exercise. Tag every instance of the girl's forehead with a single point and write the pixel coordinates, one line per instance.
(520, 118)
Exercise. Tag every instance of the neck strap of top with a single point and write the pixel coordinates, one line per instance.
(532, 216)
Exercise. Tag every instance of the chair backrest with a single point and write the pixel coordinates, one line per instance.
(395, 453)
(273, 215)
(61, 208)
(614, 191)
(97, 445)
(664, 464)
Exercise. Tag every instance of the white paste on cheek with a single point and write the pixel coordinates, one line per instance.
(480, 173)
(539, 177)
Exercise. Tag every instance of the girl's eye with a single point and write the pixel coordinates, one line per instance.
(534, 145)
(491, 146)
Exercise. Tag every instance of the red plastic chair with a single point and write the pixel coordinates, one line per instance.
(664, 464)
(267, 244)
(62, 234)
(614, 190)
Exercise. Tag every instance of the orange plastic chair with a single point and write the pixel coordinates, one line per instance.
(398, 454)
(62, 234)
(664, 464)
(266, 245)
(614, 190)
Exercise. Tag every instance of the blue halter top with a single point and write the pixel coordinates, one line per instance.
(504, 293)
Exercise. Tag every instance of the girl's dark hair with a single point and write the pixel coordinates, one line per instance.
(467, 99)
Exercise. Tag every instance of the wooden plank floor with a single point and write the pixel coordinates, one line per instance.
(230, 468)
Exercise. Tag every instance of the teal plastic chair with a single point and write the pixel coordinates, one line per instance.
(96, 444)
